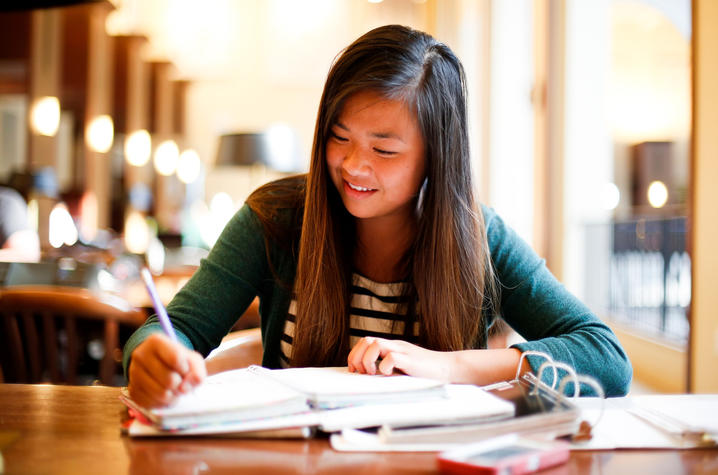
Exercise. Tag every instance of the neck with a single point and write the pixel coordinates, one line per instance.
(381, 245)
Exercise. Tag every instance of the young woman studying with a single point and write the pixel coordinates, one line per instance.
(380, 258)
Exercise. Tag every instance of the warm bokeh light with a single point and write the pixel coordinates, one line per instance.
(657, 194)
(610, 196)
(45, 116)
(166, 157)
(88, 216)
(62, 229)
(100, 133)
(33, 213)
(138, 148)
(156, 259)
(188, 166)
(137, 233)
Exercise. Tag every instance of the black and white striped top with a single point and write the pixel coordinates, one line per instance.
(374, 311)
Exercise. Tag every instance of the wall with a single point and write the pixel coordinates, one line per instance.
(511, 115)
(255, 63)
(704, 227)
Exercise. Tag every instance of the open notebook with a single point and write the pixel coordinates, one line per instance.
(259, 399)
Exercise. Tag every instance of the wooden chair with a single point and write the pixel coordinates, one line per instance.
(34, 349)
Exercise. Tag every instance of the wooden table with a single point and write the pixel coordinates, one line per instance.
(66, 429)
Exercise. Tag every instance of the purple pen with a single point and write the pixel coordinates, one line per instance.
(157, 304)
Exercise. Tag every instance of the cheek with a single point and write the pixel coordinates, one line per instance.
(333, 158)
(409, 178)
(419, 171)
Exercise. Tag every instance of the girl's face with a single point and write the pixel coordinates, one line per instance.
(375, 156)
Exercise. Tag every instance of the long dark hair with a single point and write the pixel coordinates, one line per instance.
(449, 267)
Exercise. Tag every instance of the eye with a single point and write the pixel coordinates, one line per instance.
(384, 152)
(338, 138)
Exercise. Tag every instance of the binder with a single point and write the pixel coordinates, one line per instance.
(540, 409)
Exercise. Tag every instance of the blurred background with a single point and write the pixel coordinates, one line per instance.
(134, 129)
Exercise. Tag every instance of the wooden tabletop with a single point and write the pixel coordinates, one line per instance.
(76, 429)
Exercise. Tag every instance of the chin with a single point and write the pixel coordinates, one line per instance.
(357, 213)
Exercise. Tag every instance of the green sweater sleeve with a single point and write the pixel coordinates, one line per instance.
(551, 319)
(234, 272)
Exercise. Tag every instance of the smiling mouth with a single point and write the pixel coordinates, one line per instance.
(358, 188)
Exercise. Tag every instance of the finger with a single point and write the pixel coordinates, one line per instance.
(159, 385)
(171, 353)
(196, 373)
(356, 354)
(156, 370)
(141, 397)
(149, 394)
(368, 360)
(395, 361)
(155, 400)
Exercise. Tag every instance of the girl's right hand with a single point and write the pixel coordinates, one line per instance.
(161, 369)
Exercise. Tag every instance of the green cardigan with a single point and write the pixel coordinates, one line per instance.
(533, 302)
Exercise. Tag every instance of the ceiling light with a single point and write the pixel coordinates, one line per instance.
(166, 157)
(45, 116)
(100, 133)
(138, 148)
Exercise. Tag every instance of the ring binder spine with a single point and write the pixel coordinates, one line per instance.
(570, 377)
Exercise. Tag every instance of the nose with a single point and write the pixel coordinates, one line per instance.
(356, 163)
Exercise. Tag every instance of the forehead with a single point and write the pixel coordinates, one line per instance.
(372, 106)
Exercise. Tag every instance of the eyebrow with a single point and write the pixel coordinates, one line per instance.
(379, 135)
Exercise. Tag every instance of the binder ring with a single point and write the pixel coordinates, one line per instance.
(582, 378)
(570, 372)
(554, 365)
(548, 361)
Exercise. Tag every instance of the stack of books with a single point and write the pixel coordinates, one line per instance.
(256, 401)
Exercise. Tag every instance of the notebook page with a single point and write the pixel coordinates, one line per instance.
(229, 391)
(694, 412)
(318, 383)
(621, 428)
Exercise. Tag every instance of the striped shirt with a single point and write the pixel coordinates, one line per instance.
(376, 310)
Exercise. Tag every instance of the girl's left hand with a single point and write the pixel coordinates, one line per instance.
(399, 355)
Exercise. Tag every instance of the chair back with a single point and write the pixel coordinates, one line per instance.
(39, 337)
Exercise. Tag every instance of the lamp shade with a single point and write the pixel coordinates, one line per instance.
(241, 149)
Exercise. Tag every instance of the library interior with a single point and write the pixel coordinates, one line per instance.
(133, 131)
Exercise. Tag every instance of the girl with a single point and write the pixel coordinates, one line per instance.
(381, 253)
